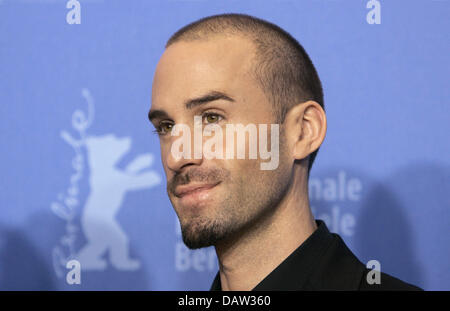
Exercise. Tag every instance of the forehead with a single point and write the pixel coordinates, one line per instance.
(189, 69)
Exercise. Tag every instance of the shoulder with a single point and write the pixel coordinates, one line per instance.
(342, 270)
(387, 283)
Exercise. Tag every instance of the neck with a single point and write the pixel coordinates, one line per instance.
(248, 257)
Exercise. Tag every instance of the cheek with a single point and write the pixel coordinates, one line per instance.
(241, 167)
(165, 150)
(243, 173)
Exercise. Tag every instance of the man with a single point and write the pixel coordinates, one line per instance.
(236, 69)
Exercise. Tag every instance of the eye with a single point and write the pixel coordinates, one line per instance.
(163, 128)
(210, 117)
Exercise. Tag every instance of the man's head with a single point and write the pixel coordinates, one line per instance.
(235, 69)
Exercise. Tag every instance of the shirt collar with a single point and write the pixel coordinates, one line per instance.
(296, 270)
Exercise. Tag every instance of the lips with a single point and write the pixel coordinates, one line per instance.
(185, 190)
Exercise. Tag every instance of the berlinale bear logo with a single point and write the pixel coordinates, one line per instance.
(108, 185)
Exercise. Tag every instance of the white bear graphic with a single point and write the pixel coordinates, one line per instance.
(108, 186)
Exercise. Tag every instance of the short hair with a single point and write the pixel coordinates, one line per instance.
(283, 69)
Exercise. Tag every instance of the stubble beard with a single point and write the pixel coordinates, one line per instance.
(242, 210)
(246, 204)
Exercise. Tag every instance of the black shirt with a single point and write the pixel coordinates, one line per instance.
(322, 262)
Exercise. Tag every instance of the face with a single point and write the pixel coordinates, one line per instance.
(215, 198)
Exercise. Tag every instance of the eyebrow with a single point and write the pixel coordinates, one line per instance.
(191, 103)
(157, 114)
(209, 97)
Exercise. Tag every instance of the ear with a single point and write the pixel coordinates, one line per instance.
(305, 129)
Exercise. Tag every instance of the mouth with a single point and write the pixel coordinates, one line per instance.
(186, 190)
(194, 193)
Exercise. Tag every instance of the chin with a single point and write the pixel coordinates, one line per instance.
(200, 234)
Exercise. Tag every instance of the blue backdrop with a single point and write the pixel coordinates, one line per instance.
(81, 173)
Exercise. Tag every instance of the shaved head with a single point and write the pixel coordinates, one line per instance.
(237, 70)
(281, 66)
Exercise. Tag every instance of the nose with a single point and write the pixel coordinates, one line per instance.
(184, 151)
(176, 164)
